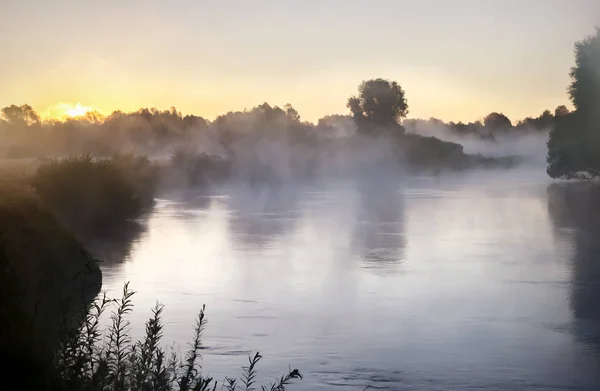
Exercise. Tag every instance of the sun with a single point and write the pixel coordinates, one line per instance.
(63, 111)
(78, 110)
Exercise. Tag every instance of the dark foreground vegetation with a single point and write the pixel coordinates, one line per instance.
(87, 359)
(47, 273)
(78, 354)
(43, 269)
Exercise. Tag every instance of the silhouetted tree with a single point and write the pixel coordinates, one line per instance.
(544, 122)
(23, 115)
(546, 119)
(585, 86)
(332, 126)
(262, 120)
(574, 143)
(561, 111)
(469, 128)
(497, 121)
(263, 143)
(291, 112)
(380, 104)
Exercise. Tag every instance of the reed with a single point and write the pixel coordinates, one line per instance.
(87, 359)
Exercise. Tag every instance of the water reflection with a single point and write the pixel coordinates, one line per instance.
(379, 231)
(189, 208)
(260, 215)
(310, 275)
(191, 200)
(574, 211)
(115, 246)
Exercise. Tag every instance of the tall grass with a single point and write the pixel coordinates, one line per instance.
(92, 195)
(87, 359)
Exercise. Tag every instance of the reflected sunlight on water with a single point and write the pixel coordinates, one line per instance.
(418, 284)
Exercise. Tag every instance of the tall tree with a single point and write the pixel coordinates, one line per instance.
(497, 121)
(585, 75)
(379, 106)
(574, 143)
(561, 111)
(23, 115)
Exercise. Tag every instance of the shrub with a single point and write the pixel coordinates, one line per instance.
(94, 195)
(424, 151)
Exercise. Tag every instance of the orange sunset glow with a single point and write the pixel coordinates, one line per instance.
(207, 60)
(63, 111)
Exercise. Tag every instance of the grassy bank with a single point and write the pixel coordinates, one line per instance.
(43, 270)
(46, 274)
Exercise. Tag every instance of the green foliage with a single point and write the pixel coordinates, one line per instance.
(86, 361)
(94, 195)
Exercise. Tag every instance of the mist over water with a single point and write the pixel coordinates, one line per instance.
(364, 249)
(527, 143)
(475, 279)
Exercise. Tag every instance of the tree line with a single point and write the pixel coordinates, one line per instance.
(492, 127)
(378, 110)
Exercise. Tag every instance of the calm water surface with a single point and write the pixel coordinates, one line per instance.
(478, 281)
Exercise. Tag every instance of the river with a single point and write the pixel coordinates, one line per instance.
(470, 281)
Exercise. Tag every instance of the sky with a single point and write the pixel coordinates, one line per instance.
(457, 60)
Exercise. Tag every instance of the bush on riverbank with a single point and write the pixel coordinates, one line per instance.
(92, 195)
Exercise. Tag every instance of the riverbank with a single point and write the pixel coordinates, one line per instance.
(45, 275)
